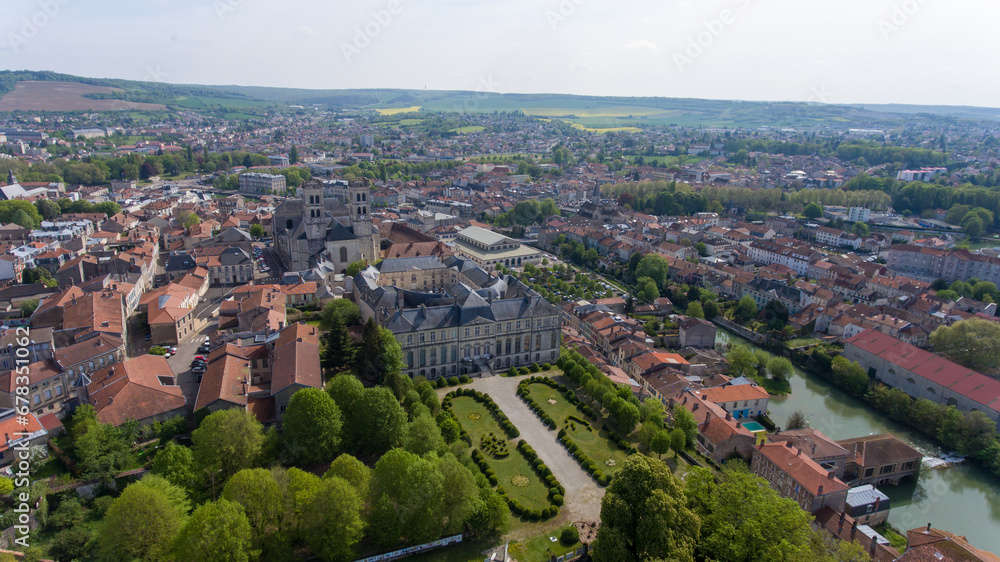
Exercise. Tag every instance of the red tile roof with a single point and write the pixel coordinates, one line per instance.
(962, 380)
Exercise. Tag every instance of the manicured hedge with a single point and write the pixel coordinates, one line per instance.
(505, 424)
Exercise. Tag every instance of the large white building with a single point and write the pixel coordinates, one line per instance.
(488, 248)
(454, 318)
(259, 184)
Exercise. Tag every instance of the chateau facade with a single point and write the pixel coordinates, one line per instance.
(452, 317)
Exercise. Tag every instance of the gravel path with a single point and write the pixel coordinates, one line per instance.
(583, 495)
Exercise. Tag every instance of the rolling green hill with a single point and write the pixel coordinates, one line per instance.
(589, 112)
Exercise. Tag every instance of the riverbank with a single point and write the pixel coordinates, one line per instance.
(964, 499)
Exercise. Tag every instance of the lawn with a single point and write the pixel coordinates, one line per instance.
(469, 129)
(541, 548)
(592, 440)
(477, 420)
(801, 342)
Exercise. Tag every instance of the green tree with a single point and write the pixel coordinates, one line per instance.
(378, 421)
(745, 309)
(742, 362)
(813, 211)
(647, 289)
(347, 311)
(49, 210)
(141, 523)
(972, 342)
(260, 496)
(644, 516)
(226, 442)
(423, 435)
(257, 231)
(678, 441)
(743, 518)
(216, 530)
(35, 275)
(24, 219)
(656, 268)
(175, 463)
(335, 524)
(779, 367)
(379, 354)
(684, 420)
(354, 268)
(340, 350)
(660, 443)
(357, 474)
(409, 495)
(28, 307)
(189, 220)
(293, 155)
(695, 310)
(102, 451)
(9, 209)
(312, 426)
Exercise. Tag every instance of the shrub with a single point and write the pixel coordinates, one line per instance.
(536, 514)
(464, 379)
(523, 370)
(550, 480)
(557, 499)
(603, 480)
(534, 368)
(569, 536)
(512, 372)
(598, 474)
(546, 367)
(553, 491)
(493, 480)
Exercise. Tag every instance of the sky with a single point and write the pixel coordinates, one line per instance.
(935, 52)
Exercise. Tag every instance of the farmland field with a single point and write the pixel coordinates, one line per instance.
(397, 110)
(65, 96)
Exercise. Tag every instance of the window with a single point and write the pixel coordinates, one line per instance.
(869, 472)
(59, 390)
(887, 469)
(38, 399)
(908, 465)
(48, 395)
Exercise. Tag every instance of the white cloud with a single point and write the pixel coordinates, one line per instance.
(642, 45)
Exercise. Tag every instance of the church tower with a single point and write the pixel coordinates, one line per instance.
(313, 212)
(358, 198)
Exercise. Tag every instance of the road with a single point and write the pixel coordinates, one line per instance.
(583, 495)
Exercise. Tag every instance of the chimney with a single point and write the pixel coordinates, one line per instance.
(814, 449)
(840, 523)
(829, 475)
(798, 453)
(788, 444)
(928, 529)
(878, 501)
(820, 492)
(854, 528)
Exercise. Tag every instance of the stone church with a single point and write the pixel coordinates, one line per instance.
(317, 228)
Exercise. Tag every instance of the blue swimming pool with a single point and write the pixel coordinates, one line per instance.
(753, 426)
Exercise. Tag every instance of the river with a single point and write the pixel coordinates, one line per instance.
(963, 499)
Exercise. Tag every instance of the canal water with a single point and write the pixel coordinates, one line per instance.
(963, 499)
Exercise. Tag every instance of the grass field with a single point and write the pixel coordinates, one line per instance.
(469, 129)
(593, 440)
(397, 110)
(477, 420)
(541, 548)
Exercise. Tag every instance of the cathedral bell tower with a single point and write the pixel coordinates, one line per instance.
(314, 213)
(358, 201)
